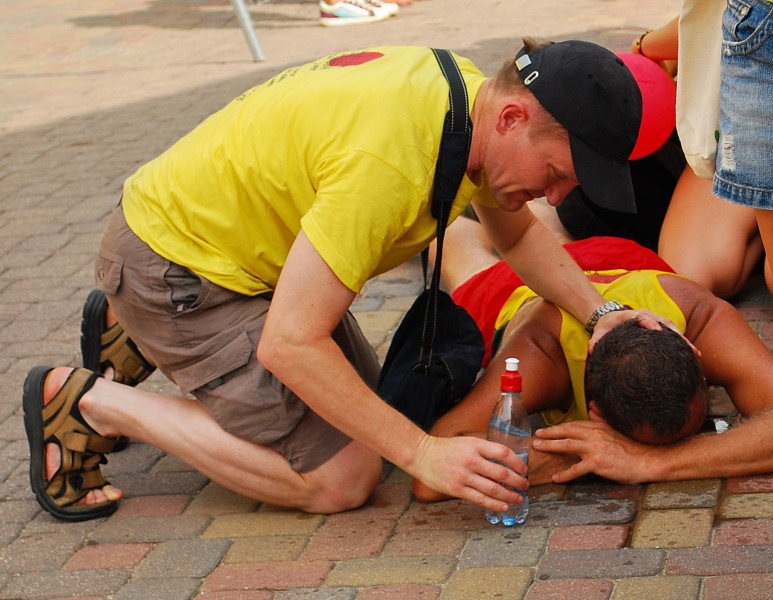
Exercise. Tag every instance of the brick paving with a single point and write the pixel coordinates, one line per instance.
(92, 90)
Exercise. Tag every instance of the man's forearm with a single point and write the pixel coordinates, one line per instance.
(746, 449)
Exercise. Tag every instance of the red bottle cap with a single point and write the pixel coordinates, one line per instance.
(511, 378)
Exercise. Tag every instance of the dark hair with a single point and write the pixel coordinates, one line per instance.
(640, 377)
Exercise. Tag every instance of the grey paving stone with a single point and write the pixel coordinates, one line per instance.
(42, 585)
(150, 529)
(601, 564)
(8, 532)
(504, 547)
(333, 593)
(167, 588)
(136, 459)
(39, 552)
(147, 484)
(18, 511)
(188, 558)
(587, 512)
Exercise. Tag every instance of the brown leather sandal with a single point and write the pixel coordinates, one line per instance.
(60, 422)
(110, 347)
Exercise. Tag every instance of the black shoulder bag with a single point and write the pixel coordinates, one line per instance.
(437, 350)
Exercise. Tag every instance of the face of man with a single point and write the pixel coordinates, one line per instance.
(522, 165)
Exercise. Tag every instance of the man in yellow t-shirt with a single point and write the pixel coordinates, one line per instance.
(619, 411)
(234, 256)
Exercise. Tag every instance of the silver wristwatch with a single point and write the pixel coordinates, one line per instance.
(611, 306)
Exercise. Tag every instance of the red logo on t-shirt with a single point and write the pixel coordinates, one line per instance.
(358, 58)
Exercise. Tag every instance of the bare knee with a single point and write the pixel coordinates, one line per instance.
(345, 482)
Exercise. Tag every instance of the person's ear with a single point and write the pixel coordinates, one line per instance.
(594, 414)
(511, 115)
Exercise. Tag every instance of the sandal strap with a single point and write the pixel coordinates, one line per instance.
(120, 352)
(66, 489)
(64, 424)
(77, 441)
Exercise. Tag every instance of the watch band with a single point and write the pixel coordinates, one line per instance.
(610, 306)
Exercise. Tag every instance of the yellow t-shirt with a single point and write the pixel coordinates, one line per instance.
(344, 148)
(637, 289)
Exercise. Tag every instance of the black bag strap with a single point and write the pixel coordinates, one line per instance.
(449, 172)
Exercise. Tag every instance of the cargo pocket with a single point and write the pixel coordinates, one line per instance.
(244, 398)
(108, 271)
(211, 371)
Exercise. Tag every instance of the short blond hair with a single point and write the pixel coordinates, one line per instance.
(508, 81)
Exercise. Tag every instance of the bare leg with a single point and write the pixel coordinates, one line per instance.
(183, 428)
(765, 223)
(110, 318)
(466, 251)
(709, 240)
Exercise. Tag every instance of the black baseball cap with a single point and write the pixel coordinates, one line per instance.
(595, 97)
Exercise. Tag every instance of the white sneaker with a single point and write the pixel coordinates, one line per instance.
(390, 8)
(349, 12)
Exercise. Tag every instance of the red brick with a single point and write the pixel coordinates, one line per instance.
(451, 514)
(599, 488)
(78, 598)
(108, 556)
(749, 485)
(720, 560)
(720, 404)
(590, 537)
(238, 595)
(152, 506)
(751, 586)
(744, 532)
(268, 576)
(425, 543)
(386, 502)
(339, 539)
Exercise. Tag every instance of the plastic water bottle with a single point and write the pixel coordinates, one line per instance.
(509, 426)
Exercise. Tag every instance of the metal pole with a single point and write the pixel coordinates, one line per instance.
(249, 30)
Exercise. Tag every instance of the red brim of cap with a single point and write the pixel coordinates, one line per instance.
(606, 181)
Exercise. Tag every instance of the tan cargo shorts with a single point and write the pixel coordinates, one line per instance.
(204, 338)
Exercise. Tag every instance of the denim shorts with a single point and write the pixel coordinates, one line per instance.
(744, 172)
